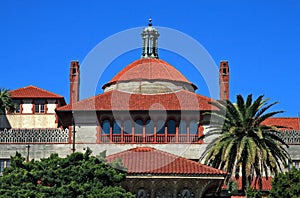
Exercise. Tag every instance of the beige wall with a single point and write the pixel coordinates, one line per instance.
(51, 106)
(27, 106)
(28, 121)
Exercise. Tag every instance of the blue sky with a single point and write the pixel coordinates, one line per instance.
(38, 39)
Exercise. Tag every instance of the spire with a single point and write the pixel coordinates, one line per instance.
(150, 41)
(150, 22)
(224, 80)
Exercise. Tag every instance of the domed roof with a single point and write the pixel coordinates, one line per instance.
(149, 69)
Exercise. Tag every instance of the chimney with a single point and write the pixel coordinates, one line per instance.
(224, 80)
(74, 81)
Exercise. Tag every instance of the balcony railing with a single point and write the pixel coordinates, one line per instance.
(159, 138)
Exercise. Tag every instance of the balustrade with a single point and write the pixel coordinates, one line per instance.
(56, 135)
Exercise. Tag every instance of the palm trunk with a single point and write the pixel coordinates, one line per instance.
(244, 178)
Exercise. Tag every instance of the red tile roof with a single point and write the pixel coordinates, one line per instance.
(149, 69)
(147, 160)
(238, 196)
(290, 123)
(116, 100)
(266, 183)
(33, 92)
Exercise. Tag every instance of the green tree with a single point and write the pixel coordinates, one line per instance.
(286, 184)
(77, 175)
(5, 101)
(251, 193)
(244, 144)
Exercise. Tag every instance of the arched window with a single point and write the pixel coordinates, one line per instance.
(116, 130)
(127, 127)
(182, 127)
(143, 193)
(160, 127)
(138, 128)
(105, 127)
(193, 127)
(163, 192)
(171, 127)
(149, 127)
(186, 193)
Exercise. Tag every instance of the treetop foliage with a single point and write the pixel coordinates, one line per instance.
(286, 184)
(77, 175)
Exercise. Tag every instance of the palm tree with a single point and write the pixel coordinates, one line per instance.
(244, 144)
(5, 101)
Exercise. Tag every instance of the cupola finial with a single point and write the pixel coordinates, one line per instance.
(150, 22)
(150, 41)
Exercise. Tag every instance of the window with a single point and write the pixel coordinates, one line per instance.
(193, 128)
(117, 127)
(39, 106)
(149, 127)
(138, 128)
(186, 193)
(18, 106)
(3, 164)
(127, 127)
(160, 127)
(171, 127)
(105, 127)
(182, 127)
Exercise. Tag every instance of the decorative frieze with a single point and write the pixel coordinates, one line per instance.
(50, 135)
(290, 136)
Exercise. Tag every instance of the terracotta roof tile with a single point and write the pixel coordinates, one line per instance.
(266, 183)
(290, 123)
(146, 160)
(117, 100)
(33, 92)
(149, 69)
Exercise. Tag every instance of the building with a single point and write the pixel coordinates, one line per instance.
(148, 109)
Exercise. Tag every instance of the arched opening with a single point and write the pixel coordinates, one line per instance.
(149, 131)
(127, 131)
(138, 131)
(143, 193)
(116, 131)
(163, 192)
(186, 193)
(171, 130)
(182, 131)
(105, 131)
(160, 131)
(193, 131)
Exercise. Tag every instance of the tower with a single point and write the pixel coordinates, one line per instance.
(224, 80)
(150, 41)
(74, 81)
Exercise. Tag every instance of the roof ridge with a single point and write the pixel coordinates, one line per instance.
(152, 149)
(103, 101)
(36, 88)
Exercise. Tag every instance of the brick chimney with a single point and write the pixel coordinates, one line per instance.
(74, 81)
(224, 80)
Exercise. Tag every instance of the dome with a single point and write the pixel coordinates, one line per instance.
(149, 75)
